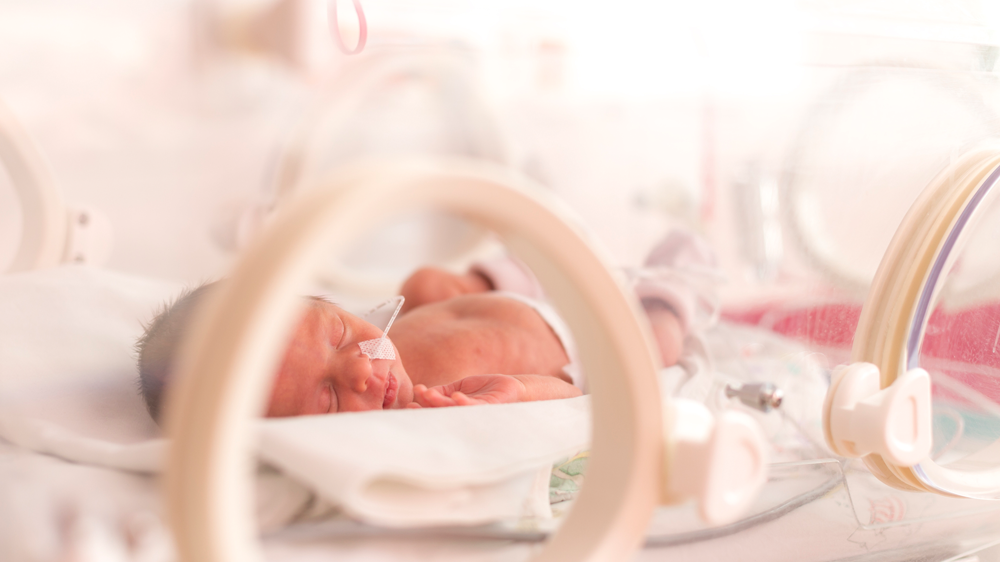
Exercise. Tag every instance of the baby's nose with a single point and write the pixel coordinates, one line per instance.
(358, 371)
(360, 385)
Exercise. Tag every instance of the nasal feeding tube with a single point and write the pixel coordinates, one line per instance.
(381, 348)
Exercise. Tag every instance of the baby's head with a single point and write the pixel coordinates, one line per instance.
(323, 370)
(158, 346)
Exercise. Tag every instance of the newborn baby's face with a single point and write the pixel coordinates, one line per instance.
(324, 370)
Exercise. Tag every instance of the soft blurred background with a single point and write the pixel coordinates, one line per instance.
(793, 134)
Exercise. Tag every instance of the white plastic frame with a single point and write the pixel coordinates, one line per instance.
(43, 212)
(901, 297)
(231, 353)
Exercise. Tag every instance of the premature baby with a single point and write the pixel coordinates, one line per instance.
(460, 339)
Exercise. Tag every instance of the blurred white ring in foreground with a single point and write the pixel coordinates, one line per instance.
(236, 344)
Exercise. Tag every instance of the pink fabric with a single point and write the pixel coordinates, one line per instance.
(673, 295)
(963, 344)
(670, 275)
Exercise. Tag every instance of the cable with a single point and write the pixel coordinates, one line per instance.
(753, 521)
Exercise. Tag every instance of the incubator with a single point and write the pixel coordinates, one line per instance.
(835, 398)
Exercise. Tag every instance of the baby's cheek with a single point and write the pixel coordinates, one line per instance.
(286, 388)
(277, 405)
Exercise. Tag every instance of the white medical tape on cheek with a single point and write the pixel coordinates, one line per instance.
(382, 348)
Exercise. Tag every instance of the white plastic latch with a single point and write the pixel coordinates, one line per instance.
(721, 463)
(861, 418)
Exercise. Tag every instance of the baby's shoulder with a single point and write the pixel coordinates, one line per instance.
(492, 305)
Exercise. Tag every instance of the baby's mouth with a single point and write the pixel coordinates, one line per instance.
(391, 387)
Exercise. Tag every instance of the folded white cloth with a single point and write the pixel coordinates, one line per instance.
(44, 436)
(462, 465)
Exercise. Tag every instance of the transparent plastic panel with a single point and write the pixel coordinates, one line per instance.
(810, 187)
(865, 149)
(805, 224)
(959, 347)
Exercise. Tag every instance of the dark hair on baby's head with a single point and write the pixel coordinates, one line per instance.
(158, 347)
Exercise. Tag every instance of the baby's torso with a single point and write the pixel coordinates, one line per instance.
(477, 335)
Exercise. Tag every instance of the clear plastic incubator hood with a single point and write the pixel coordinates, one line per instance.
(835, 163)
(851, 200)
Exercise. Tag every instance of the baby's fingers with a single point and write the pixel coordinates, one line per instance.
(423, 395)
(432, 397)
(438, 399)
(462, 400)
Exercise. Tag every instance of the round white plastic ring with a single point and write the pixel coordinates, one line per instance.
(297, 159)
(898, 307)
(43, 213)
(231, 353)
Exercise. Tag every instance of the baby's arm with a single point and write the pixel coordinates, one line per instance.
(667, 330)
(429, 285)
(493, 389)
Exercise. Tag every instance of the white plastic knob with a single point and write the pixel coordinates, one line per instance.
(89, 236)
(862, 418)
(721, 463)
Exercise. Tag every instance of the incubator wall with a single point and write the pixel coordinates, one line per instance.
(793, 136)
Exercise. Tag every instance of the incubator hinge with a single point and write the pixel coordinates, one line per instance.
(861, 418)
(720, 462)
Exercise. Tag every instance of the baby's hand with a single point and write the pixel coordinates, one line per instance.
(477, 389)
(667, 331)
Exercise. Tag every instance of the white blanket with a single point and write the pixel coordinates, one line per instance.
(464, 465)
